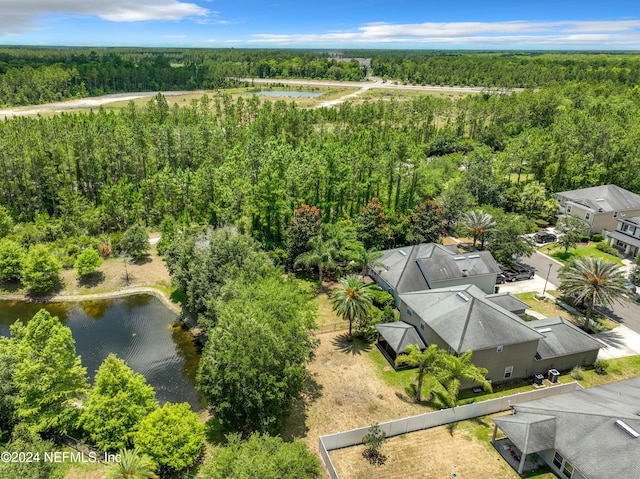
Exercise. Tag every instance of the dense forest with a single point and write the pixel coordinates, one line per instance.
(29, 75)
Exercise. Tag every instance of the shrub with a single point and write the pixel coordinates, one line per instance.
(577, 373)
(597, 237)
(605, 248)
(374, 440)
(584, 239)
(600, 367)
(541, 224)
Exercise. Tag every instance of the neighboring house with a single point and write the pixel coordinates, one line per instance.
(592, 433)
(626, 236)
(600, 206)
(430, 266)
(464, 318)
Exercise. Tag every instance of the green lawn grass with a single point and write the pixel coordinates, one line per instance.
(546, 306)
(558, 253)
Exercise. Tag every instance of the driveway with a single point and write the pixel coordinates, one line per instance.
(627, 313)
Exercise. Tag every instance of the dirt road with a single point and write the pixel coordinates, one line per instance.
(96, 101)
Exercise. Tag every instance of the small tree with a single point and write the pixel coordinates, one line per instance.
(134, 242)
(12, 257)
(87, 262)
(172, 436)
(571, 229)
(118, 401)
(352, 300)
(132, 465)
(41, 272)
(428, 224)
(593, 281)
(263, 456)
(478, 224)
(374, 440)
(425, 361)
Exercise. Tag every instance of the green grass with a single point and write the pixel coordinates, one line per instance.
(397, 379)
(546, 307)
(618, 370)
(558, 253)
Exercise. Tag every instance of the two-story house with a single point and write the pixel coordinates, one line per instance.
(430, 266)
(463, 318)
(599, 206)
(626, 236)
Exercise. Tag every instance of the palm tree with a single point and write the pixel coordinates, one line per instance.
(352, 300)
(132, 465)
(452, 370)
(366, 258)
(321, 254)
(426, 361)
(479, 224)
(593, 281)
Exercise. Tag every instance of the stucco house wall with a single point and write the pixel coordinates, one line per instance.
(564, 363)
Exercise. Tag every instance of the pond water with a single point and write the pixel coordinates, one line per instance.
(138, 329)
(293, 94)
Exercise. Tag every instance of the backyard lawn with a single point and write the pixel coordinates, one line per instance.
(557, 252)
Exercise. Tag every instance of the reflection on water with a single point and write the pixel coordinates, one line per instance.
(136, 328)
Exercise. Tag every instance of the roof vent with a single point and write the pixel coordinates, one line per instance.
(626, 428)
(599, 199)
(462, 296)
(402, 252)
(473, 256)
(544, 330)
(458, 258)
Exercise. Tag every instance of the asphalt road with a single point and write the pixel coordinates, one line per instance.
(626, 313)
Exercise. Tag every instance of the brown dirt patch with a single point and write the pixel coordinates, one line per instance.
(433, 453)
(344, 392)
(149, 271)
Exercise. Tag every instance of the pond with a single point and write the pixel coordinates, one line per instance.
(138, 329)
(287, 93)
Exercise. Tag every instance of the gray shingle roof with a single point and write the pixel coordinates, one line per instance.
(618, 235)
(605, 197)
(416, 268)
(586, 431)
(399, 335)
(529, 432)
(465, 319)
(508, 301)
(561, 338)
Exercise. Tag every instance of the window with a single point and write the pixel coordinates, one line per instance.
(625, 227)
(587, 216)
(568, 470)
(569, 209)
(563, 466)
(422, 325)
(499, 349)
(409, 312)
(558, 460)
(615, 214)
(508, 371)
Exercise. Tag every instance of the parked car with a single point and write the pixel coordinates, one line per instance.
(544, 238)
(518, 272)
(500, 278)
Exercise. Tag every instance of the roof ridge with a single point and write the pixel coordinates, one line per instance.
(466, 323)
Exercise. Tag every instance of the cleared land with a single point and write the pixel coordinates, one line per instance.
(462, 449)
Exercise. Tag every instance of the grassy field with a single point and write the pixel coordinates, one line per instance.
(545, 306)
(557, 252)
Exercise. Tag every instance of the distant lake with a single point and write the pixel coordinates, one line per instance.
(138, 329)
(297, 94)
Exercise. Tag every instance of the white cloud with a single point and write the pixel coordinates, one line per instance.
(19, 16)
(615, 33)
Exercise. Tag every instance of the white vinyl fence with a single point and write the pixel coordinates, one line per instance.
(397, 427)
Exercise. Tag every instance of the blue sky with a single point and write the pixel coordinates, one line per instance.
(461, 24)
